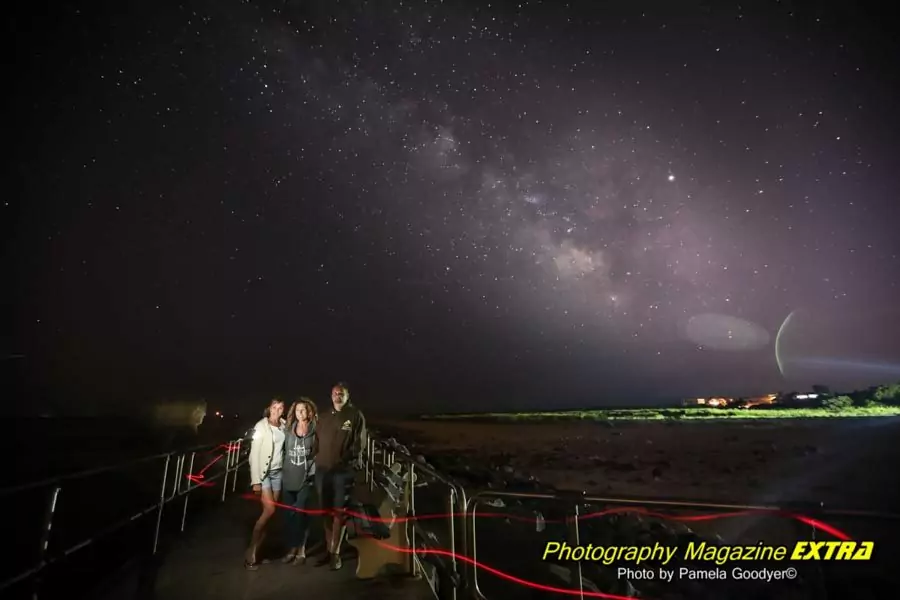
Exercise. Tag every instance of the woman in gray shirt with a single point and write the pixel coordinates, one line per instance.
(300, 445)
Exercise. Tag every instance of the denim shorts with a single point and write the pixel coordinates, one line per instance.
(272, 481)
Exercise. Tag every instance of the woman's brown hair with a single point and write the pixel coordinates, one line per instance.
(272, 402)
(310, 408)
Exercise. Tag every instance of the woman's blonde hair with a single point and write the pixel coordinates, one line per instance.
(310, 408)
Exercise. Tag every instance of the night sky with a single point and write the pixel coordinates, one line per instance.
(449, 205)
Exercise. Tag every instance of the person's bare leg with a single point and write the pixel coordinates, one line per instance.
(339, 523)
(339, 529)
(273, 505)
(328, 522)
(337, 534)
(301, 551)
(259, 529)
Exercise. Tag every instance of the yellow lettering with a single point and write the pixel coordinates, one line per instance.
(694, 551)
(550, 548)
(830, 547)
(864, 552)
(813, 551)
(845, 552)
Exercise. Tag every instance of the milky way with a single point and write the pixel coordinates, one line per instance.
(564, 185)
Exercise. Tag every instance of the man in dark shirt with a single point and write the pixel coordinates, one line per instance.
(341, 433)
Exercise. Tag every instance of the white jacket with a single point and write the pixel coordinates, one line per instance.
(262, 449)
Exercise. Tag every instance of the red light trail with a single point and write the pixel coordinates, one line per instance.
(502, 574)
(200, 476)
(819, 525)
(815, 523)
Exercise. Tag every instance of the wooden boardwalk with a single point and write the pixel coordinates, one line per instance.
(206, 563)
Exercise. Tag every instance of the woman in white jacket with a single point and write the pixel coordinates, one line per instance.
(266, 459)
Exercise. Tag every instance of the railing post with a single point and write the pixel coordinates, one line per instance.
(181, 474)
(410, 517)
(162, 503)
(821, 589)
(187, 496)
(577, 545)
(45, 535)
(237, 459)
(451, 508)
(179, 470)
(371, 462)
(472, 545)
(229, 453)
(464, 577)
(227, 471)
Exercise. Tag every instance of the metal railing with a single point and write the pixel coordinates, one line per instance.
(389, 466)
(579, 505)
(458, 532)
(445, 550)
(178, 481)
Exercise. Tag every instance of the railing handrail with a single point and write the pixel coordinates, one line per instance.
(576, 500)
(232, 464)
(445, 479)
(456, 504)
(460, 537)
(463, 541)
(59, 479)
(688, 504)
(587, 496)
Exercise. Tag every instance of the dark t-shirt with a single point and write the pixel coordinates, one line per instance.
(340, 438)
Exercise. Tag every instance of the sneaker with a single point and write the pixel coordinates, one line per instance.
(336, 562)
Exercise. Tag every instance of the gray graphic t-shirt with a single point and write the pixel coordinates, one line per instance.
(299, 465)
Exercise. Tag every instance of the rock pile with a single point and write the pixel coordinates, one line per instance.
(512, 534)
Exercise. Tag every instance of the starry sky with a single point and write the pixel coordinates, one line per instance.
(450, 205)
